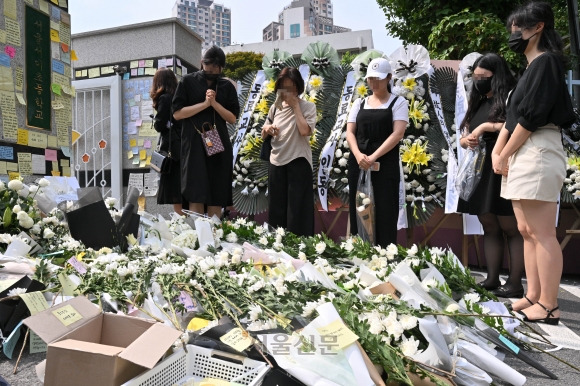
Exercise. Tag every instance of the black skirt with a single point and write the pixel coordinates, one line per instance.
(170, 186)
(486, 198)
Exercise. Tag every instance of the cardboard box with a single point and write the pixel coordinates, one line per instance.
(97, 348)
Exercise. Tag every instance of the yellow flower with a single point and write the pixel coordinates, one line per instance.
(316, 82)
(362, 90)
(270, 86)
(313, 138)
(415, 155)
(574, 161)
(409, 84)
(262, 106)
(416, 113)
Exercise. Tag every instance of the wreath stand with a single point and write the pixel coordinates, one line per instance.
(338, 211)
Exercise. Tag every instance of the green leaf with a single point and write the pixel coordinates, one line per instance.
(7, 219)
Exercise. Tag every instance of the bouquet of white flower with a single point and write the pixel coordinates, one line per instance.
(365, 207)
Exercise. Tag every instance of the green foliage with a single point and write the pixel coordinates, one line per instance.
(347, 58)
(239, 64)
(451, 31)
(462, 33)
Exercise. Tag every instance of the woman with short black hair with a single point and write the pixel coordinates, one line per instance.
(162, 90)
(203, 98)
(531, 144)
(291, 122)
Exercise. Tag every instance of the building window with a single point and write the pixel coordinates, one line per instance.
(226, 16)
(294, 30)
(187, 3)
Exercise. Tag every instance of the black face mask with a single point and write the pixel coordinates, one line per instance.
(211, 77)
(517, 44)
(483, 85)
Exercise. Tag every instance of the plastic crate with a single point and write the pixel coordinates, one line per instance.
(202, 363)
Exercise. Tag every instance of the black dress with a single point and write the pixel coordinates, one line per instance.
(486, 198)
(205, 180)
(373, 127)
(170, 184)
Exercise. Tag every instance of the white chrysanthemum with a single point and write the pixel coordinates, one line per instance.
(232, 237)
(413, 250)
(309, 308)
(430, 283)
(338, 153)
(409, 346)
(472, 297)
(48, 233)
(16, 291)
(254, 312)
(110, 201)
(320, 247)
(408, 321)
(263, 240)
(343, 162)
(15, 185)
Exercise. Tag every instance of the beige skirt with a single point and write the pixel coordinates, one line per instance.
(537, 169)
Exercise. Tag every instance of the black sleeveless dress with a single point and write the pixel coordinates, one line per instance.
(486, 198)
(373, 127)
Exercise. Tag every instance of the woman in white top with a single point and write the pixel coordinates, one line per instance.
(376, 124)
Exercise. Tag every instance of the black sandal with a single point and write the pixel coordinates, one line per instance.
(503, 292)
(510, 306)
(547, 319)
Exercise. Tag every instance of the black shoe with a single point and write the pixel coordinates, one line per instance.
(506, 292)
(546, 320)
(488, 285)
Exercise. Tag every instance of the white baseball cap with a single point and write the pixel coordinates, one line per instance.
(379, 68)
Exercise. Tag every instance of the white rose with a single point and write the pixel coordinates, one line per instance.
(16, 209)
(2, 186)
(33, 189)
(346, 155)
(367, 201)
(26, 223)
(362, 195)
(35, 229)
(219, 233)
(344, 180)
(361, 208)
(302, 256)
(236, 259)
(337, 170)
(15, 185)
(43, 183)
(48, 233)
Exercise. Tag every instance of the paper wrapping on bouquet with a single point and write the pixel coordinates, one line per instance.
(14, 310)
(470, 171)
(365, 218)
(60, 189)
(437, 353)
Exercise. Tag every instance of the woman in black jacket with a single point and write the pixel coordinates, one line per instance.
(162, 90)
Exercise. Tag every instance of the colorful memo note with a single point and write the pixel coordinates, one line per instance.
(67, 315)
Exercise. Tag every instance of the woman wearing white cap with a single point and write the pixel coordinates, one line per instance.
(376, 124)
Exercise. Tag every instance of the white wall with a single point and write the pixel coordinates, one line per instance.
(294, 16)
(347, 41)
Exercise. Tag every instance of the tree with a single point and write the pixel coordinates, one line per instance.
(455, 31)
(347, 58)
(239, 64)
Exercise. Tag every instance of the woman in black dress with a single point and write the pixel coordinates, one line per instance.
(201, 97)
(162, 90)
(375, 126)
(484, 118)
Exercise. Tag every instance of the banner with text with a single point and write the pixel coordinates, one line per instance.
(244, 122)
(327, 154)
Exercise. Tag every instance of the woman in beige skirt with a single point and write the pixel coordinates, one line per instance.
(530, 155)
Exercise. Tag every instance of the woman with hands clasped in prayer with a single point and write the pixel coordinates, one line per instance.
(290, 123)
(486, 114)
(531, 144)
(202, 100)
(375, 126)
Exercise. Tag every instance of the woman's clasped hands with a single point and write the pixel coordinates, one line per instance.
(364, 161)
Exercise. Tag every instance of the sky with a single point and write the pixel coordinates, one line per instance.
(249, 17)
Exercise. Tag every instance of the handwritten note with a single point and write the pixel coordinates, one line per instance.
(2, 36)
(64, 33)
(18, 78)
(186, 300)
(237, 339)
(135, 113)
(22, 137)
(12, 166)
(10, 126)
(35, 302)
(54, 36)
(3, 170)
(55, 13)
(25, 164)
(134, 64)
(197, 324)
(67, 315)
(10, 342)
(38, 164)
(10, 8)
(132, 128)
(37, 139)
(344, 336)
(7, 153)
(52, 142)
(141, 63)
(143, 155)
(36, 344)
(94, 72)
(132, 142)
(80, 268)
(12, 32)
(55, 88)
(58, 67)
(136, 180)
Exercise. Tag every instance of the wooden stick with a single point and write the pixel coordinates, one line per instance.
(426, 240)
(21, 350)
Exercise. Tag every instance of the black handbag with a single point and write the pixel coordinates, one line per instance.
(160, 159)
(266, 148)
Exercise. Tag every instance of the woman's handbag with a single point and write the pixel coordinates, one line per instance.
(266, 148)
(161, 160)
(211, 138)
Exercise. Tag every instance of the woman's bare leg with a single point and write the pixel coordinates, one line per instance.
(214, 211)
(197, 208)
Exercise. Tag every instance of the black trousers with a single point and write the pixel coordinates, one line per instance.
(386, 192)
(291, 197)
